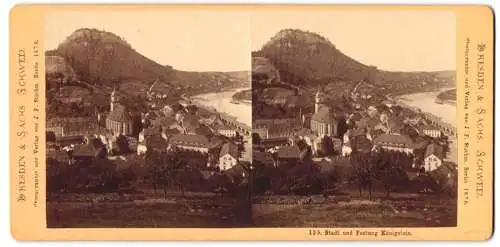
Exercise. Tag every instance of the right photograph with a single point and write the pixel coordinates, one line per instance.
(354, 119)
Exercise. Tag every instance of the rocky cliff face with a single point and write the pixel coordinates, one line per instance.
(56, 68)
(102, 58)
(99, 57)
(305, 57)
(264, 71)
(310, 60)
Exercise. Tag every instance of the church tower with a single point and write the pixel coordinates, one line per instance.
(318, 100)
(114, 100)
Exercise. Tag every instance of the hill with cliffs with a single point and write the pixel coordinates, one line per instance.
(309, 60)
(104, 59)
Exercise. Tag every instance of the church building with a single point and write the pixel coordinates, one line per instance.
(119, 120)
(323, 121)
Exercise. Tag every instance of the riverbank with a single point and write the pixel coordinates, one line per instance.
(243, 96)
(426, 102)
(195, 93)
(447, 97)
(223, 102)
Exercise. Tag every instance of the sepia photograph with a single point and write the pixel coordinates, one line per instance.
(354, 119)
(148, 119)
(251, 122)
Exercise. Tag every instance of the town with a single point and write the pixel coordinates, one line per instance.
(172, 147)
(339, 141)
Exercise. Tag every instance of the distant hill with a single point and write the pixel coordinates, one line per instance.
(309, 60)
(102, 58)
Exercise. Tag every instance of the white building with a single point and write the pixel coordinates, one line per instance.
(228, 157)
(431, 131)
(433, 157)
(198, 143)
(394, 142)
(228, 132)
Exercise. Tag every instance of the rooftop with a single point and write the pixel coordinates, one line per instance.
(435, 149)
(190, 140)
(229, 148)
(289, 152)
(120, 114)
(324, 115)
(394, 140)
(263, 158)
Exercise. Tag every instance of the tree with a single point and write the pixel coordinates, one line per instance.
(50, 136)
(192, 109)
(391, 179)
(362, 172)
(327, 147)
(331, 180)
(301, 144)
(256, 139)
(153, 164)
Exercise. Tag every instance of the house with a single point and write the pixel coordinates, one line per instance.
(372, 111)
(118, 145)
(58, 155)
(58, 130)
(64, 141)
(393, 142)
(337, 144)
(388, 103)
(384, 117)
(158, 90)
(263, 159)
(197, 143)
(262, 132)
(228, 157)
(224, 129)
(433, 158)
(237, 174)
(166, 133)
(354, 118)
(354, 134)
(362, 145)
(367, 123)
(288, 156)
(89, 151)
(167, 110)
(431, 131)
(445, 175)
(148, 132)
(346, 149)
(71, 126)
(190, 123)
(275, 142)
(395, 125)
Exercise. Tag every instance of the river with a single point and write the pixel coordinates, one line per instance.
(447, 112)
(427, 103)
(222, 102)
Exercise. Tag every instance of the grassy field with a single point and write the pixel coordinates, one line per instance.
(187, 211)
(347, 211)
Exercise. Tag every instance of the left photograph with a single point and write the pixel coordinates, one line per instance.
(148, 119)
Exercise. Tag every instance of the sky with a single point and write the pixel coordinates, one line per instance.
(390, 40)
(211, 40)
(198, 40)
